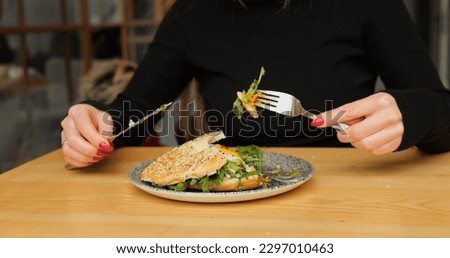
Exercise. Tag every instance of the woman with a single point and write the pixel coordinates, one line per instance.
(326, 53)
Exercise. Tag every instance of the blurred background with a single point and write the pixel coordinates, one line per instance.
(49, 48)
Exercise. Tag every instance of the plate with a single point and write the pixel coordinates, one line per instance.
(294, 172)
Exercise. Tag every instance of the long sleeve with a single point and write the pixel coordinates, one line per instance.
(409, 76)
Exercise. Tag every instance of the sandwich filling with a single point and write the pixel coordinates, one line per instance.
(247, 100)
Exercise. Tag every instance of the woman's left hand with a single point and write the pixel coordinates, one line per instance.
(375, 123)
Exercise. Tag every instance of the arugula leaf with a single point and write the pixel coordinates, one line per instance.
(254, 86)
(251, 155)
(204, 184)
(180, 187)
(238, 109)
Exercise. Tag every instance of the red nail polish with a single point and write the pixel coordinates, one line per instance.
(100, 153)
(97, 158)
(317, 122)
(105, 147)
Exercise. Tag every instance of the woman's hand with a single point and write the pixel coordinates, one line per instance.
(84, 135)
(375, 123)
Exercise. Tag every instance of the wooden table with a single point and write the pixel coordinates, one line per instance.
(352, 194)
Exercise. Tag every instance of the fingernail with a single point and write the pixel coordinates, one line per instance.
(97, 158)
(105, 147)
(101, 153)
(317, 122)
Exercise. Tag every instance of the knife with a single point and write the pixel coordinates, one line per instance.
(131, 124)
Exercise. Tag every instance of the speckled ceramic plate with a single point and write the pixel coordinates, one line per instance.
(286, 173)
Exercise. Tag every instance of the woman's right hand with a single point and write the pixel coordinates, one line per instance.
(85, 133)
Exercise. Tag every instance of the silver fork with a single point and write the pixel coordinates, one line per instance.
(288, 105)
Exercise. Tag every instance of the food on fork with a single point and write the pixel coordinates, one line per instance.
(247, 100)
(200, 164)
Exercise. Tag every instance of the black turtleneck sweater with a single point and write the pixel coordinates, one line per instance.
(325, 52)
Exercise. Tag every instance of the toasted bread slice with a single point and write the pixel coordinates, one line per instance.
(193, 159)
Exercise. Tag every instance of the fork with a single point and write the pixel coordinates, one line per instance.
(288, 105)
